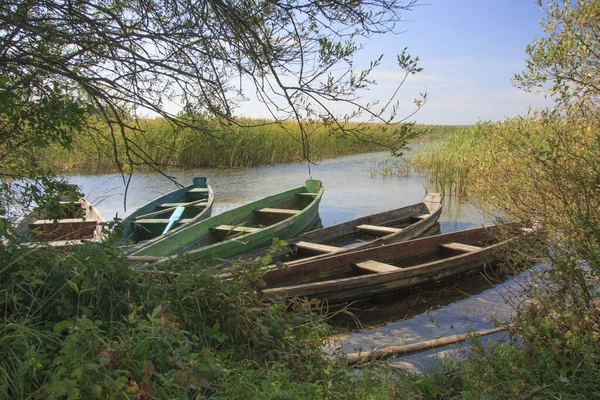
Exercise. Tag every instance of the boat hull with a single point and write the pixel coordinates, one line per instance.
(342, 278)
(248, 227)
(408, 223)
(150, 220)
(81, 223)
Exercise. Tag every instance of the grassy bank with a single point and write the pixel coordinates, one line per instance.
(82, 324)
(255, 143)
(542, 168)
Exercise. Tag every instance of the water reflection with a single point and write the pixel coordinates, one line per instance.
(454, 308)
(350, 191)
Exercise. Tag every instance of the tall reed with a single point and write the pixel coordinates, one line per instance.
(252, 142)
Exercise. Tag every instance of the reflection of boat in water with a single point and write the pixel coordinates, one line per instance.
(242, 229)
(373, 230)
(80, 221)
(358, 275)
(409, 303)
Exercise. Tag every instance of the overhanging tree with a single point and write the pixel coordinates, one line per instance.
(82, 65)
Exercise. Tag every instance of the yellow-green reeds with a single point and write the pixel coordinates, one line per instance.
(248, 143)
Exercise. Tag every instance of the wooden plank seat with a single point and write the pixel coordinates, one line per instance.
(423, 216)
(198, 204)
(62, 221)
(378, 230)
(376, 266)
(161, 211)
(464, 248)
(164, 221)
(316, 247)
(197, 193)
(64, 228)
(306, 194)
(285, 211)
(233, 229)
(197, 190)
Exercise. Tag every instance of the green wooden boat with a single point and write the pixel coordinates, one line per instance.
(373, 230)
(242, 229)
(169, 213)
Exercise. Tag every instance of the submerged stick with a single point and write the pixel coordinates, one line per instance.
(355, 358)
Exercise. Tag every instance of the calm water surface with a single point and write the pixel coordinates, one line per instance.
(353, 188)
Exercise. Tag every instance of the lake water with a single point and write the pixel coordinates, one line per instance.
(353, 188)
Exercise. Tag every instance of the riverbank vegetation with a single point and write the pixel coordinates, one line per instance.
(83, 323)
(78, 325)
(544, 168)
(248, 143)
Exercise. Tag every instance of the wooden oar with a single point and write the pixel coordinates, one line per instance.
(174, 218)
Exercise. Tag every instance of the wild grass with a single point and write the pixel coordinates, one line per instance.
(83, 323)
(543, 169)
(252, 142)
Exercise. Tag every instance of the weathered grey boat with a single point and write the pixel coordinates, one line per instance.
(357, 275)
(240, 230)
(387, 227)
(81, 222)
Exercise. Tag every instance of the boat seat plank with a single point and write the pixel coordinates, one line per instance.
(306, 194)
(376, 266)
(285, 211)
(316, 247)
(150, 221)
(466, 248)
(234, 229)
(383, 230)
(62, 221)
(197, 193)
(199, 204)
(423, 216)
(197, 190)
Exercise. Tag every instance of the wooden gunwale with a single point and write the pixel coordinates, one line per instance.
(356, 287)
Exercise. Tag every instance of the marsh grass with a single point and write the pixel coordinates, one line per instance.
(253, 142)
(450, 162)
(542, 168)
(397, 166)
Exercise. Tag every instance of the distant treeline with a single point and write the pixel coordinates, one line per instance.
(254, 142)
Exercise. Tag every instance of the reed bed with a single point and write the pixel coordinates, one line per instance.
(252, 142)
(450, 163)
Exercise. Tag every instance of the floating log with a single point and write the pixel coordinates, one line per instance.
(355, 358)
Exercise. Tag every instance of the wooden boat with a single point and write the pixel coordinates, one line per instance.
(361, 274)
(392, 226)
(242, 229)
(170, 212)
(81, 222)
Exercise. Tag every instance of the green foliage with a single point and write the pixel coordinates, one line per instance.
(256, 142)
(565, 62)
(543, 168)
(450, 163)
(83, 323)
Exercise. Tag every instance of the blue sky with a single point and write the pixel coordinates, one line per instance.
(470, 50)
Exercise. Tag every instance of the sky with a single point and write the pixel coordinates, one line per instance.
(469, 51)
